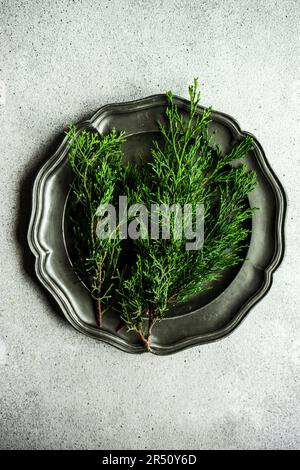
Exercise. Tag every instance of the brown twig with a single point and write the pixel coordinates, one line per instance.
(99, 303)
(147, 338)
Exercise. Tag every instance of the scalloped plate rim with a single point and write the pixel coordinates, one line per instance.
(40, 253)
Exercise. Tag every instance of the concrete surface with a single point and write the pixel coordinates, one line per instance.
(61, 60)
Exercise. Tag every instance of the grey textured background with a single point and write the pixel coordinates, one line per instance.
(61, 60)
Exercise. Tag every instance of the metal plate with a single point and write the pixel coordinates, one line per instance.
(205, 317)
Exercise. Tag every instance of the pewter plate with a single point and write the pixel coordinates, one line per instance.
(204, 317)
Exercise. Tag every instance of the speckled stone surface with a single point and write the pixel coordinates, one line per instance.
(61, 60)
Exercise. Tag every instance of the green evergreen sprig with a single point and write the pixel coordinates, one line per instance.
(186, 168)
(97, 164)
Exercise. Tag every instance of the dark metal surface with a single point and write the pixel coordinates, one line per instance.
(205, 317)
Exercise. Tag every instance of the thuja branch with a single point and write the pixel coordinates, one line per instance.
(96, 161)
(144, 277)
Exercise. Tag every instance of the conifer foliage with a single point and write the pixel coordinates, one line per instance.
(142, 278)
